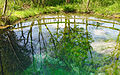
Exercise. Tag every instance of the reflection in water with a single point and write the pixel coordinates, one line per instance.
(58, 45)
(14, 57)
(73, 46)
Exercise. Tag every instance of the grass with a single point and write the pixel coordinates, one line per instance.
(95, 7)
(110, 10)
(20, 14)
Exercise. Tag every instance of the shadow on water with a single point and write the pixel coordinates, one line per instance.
(60, 45)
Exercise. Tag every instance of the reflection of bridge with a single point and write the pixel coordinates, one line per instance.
(60, 20)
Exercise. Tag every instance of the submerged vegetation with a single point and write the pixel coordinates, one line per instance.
(12, 10)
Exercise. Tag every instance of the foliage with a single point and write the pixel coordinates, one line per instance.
(51, 10)
(69, 8)
(53, 2)
(16, 7)
(24, 8)
(12, 19)
(105, 2)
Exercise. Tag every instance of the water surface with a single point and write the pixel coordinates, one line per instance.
(58, 45)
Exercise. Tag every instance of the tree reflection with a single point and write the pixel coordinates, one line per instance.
(13, 56)
(73, 47)
(58, 47)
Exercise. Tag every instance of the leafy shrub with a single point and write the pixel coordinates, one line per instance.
(69, 8)
(54, 2)
(50, 10)
(16, 7)
(105, 2)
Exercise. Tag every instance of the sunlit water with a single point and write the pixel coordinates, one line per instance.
(58, 45)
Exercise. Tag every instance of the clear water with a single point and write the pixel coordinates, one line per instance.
(58, 45)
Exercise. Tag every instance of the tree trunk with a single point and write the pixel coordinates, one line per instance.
(43, 2)
(67, 1)
(88, 5)
(5, 7)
